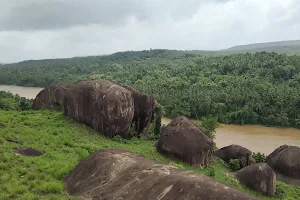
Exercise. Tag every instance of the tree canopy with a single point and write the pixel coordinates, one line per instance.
(8, 101)
(260, 88)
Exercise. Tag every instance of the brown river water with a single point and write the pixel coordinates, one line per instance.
(256, 138)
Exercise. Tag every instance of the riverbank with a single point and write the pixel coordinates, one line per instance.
(64, 144)
(254, 137)
(27, 92)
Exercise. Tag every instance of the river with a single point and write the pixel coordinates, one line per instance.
(27, 92)
(256, 138)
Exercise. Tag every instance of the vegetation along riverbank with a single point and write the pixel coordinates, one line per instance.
(260, 88)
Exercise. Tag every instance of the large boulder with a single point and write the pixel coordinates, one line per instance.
(144, 109)
(116, 174)
(259, 177)
(182, 140)
(286, 161)
(235, 152)
(51, 97)
(102, 105)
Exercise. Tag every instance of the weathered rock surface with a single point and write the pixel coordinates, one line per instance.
(102, 105)
(184, 141)
(117, 174)
(144, 109)
(286, 161)
(51, 97)
(28, 152)
(259, 177)
(235, 152)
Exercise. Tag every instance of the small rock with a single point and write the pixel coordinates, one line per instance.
(28, 152)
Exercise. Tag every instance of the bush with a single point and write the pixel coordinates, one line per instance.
(159, 111)
(208, 126)
(212, 172)
(234, 164)
(259, 157)
(8, 101)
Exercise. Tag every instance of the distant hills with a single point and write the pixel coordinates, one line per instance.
(287, 47)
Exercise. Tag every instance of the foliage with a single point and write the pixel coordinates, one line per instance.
(157, 120)
(65, 144)
(209, 125)
(211, 172)
(8, 101)
(260, 88)
(280, 190)
(234, 164)
(259, 157)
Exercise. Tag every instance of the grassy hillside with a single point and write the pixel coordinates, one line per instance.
(287, 47)
(64, 144)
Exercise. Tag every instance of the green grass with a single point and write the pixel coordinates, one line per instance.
(65, 143)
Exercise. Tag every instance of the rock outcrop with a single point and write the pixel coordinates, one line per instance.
(144, 109)
(286, 161)
(116, 174)
(259, 177)
(184, 141)
(105, 106)
(51, 97)
(236, 152)
(102, 105)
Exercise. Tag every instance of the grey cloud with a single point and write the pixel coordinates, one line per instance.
(37, 29)
(58, 14)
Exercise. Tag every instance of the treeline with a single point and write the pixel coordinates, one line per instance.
(8, 101)
(260, 88)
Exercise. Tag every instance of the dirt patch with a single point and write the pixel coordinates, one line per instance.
(28, 152)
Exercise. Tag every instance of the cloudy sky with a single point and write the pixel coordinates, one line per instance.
(36, 29)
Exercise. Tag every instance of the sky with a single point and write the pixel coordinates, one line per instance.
(39, 29)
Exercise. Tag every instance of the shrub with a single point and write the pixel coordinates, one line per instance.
(117, 138)
(234, 164)
(211, 172)
(208, 126)
(159, 111)
(259, 157)
(8, 101)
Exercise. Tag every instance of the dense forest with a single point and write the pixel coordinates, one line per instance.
(259, 88)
